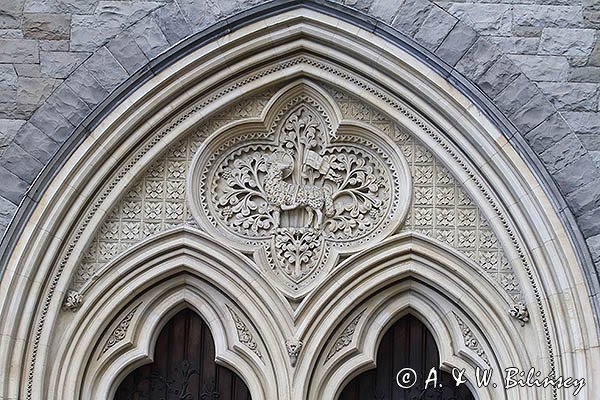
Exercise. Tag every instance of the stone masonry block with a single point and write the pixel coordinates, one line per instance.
(515, 44)
(498, 77)
(478, 59)
(69, 104)
(60, 64)
(456, 44)
(19, 51)
(486, 19)
(7, 210)
(570, 96)
(533, 113)
(567, 42)
(548, 16)
(127, 52)
(172, 23)
(548, 133)
(86, 86)
(584, 198)
(36, 143)
(89, 32)
(13, 188)
(562, 153)
(436, 26)
(149, 37)
(385, 10)
(583, 122)
(46, 26)
(105, 69)
(52, 123)
(542, 68)
(594, 245)
(60, 6)
(589, 222)
(10, 14)
(411, 15)
(33, 91)
(591, 13)
(576, 175)
(585, 74)
(21, 163)
(199, 13)
(8, 78)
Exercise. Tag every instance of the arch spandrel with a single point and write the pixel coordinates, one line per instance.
(399, 99)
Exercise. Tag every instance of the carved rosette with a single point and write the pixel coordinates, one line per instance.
(299, 188)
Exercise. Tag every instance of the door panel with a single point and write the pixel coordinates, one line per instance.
(407, 344)
(184, 367)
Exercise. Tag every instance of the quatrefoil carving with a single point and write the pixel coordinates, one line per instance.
(299, 186)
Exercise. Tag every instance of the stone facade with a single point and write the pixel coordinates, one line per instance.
(539, 61)
(413, 192)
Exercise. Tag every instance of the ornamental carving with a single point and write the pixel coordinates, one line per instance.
(244, 335)
(299, 188)
(471, 340)
(345, 337)
(120, 331)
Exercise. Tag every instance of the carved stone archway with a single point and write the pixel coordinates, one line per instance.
(300, 179)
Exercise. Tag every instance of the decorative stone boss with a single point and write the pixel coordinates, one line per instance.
(299, 187)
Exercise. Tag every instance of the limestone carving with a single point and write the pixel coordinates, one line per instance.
(519, 312)
(72, 300)
(293, 347)
(301, 191)
(441, 209)
(120, 331)
(345, 337)
(471, 340)
(244, 335)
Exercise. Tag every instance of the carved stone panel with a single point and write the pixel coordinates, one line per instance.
(299, 188)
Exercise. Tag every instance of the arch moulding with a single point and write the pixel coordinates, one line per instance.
(298, 128)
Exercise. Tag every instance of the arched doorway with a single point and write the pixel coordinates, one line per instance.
(183, 367)
(296, 250)
(407, 344)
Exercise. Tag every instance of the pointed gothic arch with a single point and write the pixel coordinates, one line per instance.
(92, 260)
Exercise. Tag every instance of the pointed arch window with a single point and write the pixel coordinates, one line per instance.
(184, 367)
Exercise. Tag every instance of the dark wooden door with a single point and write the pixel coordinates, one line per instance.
(407, 344)
(184, 367)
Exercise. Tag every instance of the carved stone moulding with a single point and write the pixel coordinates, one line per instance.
(299, 186)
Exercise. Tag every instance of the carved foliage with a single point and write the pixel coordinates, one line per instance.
(120, 330)
(298, 190)
(471, 341)
(244, 335)
(345, 337)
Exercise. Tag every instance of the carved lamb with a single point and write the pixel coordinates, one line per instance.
(287, 196)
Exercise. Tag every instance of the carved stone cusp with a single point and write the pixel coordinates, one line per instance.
(293, 348)
(519, 312)
(72, 301)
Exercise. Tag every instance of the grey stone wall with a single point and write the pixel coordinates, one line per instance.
(538, 60)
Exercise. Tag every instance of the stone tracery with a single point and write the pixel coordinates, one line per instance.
(439, 207)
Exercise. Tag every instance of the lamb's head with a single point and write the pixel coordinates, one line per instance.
(280, 161)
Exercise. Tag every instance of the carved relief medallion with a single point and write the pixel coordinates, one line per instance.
(299, 187)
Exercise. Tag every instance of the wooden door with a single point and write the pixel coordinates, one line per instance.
(407, 344)
(184, 367)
